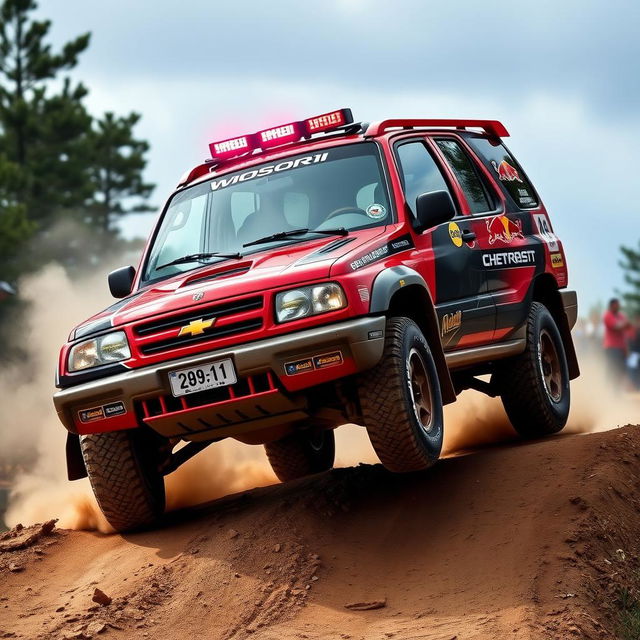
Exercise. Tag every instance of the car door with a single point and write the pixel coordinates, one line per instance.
(466, 315)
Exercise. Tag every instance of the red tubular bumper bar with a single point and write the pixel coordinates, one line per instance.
(492, 127)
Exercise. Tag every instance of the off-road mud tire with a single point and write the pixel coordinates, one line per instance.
(124, 477)
(400, 440)
(529, 406)
(302, 453)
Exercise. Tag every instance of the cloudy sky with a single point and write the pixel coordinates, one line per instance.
(563, 76)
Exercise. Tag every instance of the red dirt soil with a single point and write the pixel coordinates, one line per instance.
(525, 540)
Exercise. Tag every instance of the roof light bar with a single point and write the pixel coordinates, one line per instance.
(328, 121)
(282, 134)
(232, 147)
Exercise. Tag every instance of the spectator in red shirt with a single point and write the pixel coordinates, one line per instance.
(616, 328)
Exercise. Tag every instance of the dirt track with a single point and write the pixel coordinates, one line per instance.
(519, 541)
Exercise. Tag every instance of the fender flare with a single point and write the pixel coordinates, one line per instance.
(386, 285)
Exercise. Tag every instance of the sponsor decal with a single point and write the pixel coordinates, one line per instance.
(506, 173)
(556, 260)
(327, 360)
(299, 366)
(321, 361)
(198, 296)
(524, 198)
(100, 413)
(455, 234)
(89, 415)
(376, 212)
(502, 259)
(196, 327)
(394, 246)
(544, 231)
(503, 229)
(114, 409)
(267, 170)
(450, 322)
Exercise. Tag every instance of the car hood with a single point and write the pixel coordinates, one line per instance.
(288, 265)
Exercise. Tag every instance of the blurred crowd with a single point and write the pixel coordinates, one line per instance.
(617, 337)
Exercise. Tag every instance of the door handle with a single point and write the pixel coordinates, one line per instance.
(468, 236)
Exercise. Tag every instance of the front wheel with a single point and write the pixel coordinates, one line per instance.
(302, 453)
(535, 385)
(401, 400)
(125, 478)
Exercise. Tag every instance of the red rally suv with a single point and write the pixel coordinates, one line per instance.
(318, 273)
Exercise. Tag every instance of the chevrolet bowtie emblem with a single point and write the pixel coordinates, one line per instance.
(196, 327)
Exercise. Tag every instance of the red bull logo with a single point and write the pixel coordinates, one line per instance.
(504, 230)
(506, 172)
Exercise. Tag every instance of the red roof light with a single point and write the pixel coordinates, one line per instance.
(280, 135)
(232, 147)
(328, 121)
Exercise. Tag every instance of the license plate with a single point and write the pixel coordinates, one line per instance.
(212, 375)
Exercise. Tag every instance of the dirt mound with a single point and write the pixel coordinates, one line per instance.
(526, 540)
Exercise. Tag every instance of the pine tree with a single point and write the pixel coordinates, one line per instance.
(42, 134)
(631, 266)
(117, 163)
(71, 177)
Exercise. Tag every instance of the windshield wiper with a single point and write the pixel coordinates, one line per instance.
(198, 257)
(281, 235)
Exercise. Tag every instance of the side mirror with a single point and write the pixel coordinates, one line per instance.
(434, 208)
(121, 281)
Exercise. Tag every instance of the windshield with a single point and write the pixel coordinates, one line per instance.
(341, 187)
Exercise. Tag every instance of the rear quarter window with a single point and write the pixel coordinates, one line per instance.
(507, 172)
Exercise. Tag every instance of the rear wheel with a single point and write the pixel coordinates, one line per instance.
(124, 475)
(302, 453)
(535, 385)
(401, 400)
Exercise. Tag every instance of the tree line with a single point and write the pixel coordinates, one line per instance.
(66, 176)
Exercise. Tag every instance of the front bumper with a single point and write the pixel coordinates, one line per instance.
(121, 401)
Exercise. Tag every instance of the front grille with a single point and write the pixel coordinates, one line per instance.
(210, 334)
(216, 311)
(162, 334)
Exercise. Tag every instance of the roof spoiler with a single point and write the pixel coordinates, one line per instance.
(491, 127)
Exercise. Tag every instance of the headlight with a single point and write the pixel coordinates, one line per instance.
(111, 347)
(309, 301)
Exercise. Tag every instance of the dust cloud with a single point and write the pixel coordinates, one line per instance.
(30, 429)
(475, 420)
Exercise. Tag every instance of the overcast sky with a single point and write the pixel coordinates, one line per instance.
(563, 77)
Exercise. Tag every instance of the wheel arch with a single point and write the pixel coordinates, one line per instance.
(401, 291)
(545, 290)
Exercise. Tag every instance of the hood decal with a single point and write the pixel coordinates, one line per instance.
(401, 243)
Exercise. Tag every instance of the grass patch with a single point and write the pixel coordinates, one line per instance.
(629, 615)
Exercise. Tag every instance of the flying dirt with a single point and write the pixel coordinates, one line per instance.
(526, 540)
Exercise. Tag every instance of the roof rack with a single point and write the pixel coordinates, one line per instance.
(492, 127)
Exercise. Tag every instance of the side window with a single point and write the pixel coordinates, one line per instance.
(467, 175)
(507, 171)
(419, 171)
